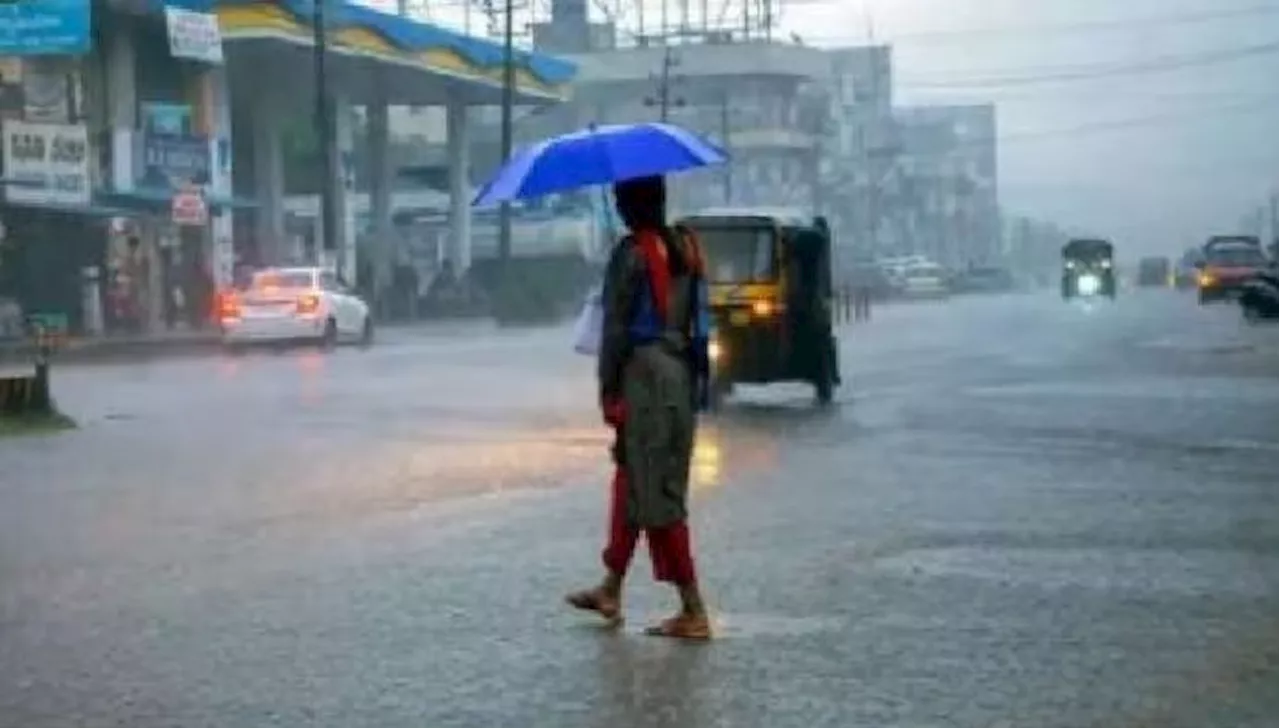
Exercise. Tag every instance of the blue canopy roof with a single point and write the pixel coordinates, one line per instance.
(405, 34)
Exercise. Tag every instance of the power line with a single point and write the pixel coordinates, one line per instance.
(1138, 122)
(665, 80)
(1142, 95)
(1022, 32)
(1081, 73)
(1102, 126)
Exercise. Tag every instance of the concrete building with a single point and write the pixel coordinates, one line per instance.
(118, 204)
(756, 98)
(942, 200)
(806, 128)
(759, 100)
(859, 150)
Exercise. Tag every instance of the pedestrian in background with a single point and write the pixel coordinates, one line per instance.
(653, 374)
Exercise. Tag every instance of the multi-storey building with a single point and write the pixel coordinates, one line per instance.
(859, 150)
(755, 98)
(943, 199)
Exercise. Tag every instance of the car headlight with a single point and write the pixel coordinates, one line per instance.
(1088, 285)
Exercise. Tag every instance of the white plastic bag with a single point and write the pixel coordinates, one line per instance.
(587, 330)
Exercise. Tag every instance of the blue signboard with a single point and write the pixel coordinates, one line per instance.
(44, 27)
(172, 161)
(160, 118)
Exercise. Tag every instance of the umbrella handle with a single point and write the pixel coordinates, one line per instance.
(607, 211)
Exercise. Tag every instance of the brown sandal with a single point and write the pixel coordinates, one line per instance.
(595, 600)
(682, 627)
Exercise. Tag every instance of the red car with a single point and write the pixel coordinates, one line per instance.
(1228, 263)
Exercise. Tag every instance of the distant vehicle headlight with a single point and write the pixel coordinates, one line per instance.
(713, 350)
(1088, 285)
(1071, 265)
(1106, 265)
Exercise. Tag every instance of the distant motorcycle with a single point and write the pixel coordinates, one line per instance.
(1259, 295)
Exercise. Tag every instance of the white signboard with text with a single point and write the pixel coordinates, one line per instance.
(47, 164)
(193, 35)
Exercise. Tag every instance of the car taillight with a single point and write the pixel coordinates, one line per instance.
(308, 303)
(228, 306)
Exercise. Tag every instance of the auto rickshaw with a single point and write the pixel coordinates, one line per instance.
(769, 275)
(1087, 269)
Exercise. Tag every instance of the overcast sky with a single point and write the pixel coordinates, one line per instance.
(1155, 160)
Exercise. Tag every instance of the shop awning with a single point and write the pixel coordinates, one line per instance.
(90, 210)
(375, 56)
(15, 182)
(160, 198)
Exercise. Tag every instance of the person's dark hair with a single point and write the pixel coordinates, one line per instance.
(642, 205)
(642, 202)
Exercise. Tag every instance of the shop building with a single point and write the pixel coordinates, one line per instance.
(118, 210)
(115, 206)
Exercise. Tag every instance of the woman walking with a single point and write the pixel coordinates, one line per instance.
(653, 369)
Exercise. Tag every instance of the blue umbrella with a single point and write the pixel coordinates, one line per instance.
(595, 156)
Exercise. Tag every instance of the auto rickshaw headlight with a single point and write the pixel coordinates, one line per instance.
(1088, 285)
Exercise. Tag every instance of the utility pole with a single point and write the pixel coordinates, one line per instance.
(508, 101)
(325, 133)
(1274, 204)
(815, 106)
(725, 132)
(664, 101)
(874, 171)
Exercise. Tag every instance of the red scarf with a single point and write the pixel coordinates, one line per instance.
(654, 252)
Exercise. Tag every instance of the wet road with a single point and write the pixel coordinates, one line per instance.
(1020, 513)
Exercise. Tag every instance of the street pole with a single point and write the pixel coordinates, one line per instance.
(664, 85)
(325, 132)
(508, 101)
(662, 98)
(724, 138)
(1274, 205)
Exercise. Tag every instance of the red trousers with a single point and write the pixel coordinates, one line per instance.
(669, 547)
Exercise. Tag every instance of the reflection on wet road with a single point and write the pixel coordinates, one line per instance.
(1018, 513)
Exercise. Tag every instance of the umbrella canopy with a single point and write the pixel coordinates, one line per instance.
(595, 156)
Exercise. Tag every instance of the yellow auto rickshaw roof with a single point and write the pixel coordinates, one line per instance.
(784, 217)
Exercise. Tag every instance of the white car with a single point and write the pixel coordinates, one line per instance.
(925, 281)
(294, 304)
